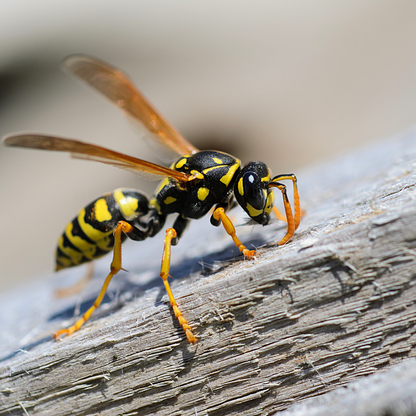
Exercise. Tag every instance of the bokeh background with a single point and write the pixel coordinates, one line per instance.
(289, 82)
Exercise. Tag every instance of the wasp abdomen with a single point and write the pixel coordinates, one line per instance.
(90, 234)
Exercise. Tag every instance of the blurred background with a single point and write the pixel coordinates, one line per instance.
(289, 82)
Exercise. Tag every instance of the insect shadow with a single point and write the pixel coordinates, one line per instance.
(204, 266)
(25, 348)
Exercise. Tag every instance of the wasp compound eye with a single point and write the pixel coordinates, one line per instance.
(252, 193)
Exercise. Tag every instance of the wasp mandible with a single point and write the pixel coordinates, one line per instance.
(197, 182)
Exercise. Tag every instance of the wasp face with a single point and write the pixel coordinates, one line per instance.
(252, 192)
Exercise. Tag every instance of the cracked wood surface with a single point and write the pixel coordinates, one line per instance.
(335, 304)
(387, 393)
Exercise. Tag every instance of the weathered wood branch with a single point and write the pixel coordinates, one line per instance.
(335, 304)
(391, 392)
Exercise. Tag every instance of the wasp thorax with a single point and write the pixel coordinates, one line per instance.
(252, 192)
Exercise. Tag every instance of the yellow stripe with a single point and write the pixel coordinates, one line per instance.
(74, 255)
(203, 193)
(104, 243)
(205, 171)
(217, 160)
(89, 230)
(229, 175)
(87, 248)
(128, 205)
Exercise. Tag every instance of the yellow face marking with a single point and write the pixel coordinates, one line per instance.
(230, 174)
(240, 187)
(269, 203)
(85, 247)
(101, 210)
(266, 178)
(217, 160)
(180, 163)
(203, 193)
(128, 205)
(253, 212)
(88, 229)
(169, 200)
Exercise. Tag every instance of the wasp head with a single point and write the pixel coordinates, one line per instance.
(253, 193)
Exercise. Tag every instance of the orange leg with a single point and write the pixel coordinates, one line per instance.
(298, 211)
(291, 227)
(122, 226)
(164, 274)
(278, 214)
(220, 215)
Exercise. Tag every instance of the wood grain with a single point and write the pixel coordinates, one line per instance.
(335, 304)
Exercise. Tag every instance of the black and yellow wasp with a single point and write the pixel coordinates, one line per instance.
(191, 187)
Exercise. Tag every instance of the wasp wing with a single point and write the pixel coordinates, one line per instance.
(82, 150)
(118, 88)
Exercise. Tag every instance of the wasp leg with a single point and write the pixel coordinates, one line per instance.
(77, 287)
(220, 215)
(298, 211)
(171, 234)
(278, 214)
(122, 227)
(289, 215)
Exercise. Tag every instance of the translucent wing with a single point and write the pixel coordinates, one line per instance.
(117, 87)
(81, 150)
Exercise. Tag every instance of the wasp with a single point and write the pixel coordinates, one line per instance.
(198, 182)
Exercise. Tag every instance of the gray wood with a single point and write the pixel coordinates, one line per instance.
(391, 393)
(335, 304)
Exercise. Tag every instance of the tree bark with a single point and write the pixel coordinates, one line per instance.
(333, 305)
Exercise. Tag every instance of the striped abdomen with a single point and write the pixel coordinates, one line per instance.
(90, 235)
